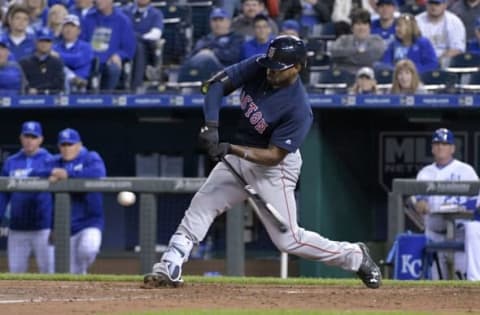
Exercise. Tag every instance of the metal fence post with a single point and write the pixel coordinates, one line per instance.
(235, 245)
(148, 231)
(396, 217)
(62, 232)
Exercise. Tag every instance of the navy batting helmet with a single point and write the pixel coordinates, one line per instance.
(284, 52)
(443, 135)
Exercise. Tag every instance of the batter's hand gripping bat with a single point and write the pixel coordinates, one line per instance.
(257, 202)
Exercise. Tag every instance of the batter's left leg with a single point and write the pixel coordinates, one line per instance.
(277, 186)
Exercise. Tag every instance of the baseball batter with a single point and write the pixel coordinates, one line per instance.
(31, 214)
(275, 118)
(446, 167)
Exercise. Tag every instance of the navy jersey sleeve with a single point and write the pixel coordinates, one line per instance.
(240, 73)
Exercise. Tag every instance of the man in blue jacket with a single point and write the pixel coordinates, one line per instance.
(77, 55)
(30, 212)
(76, 161)
(110, 32)
(148, 25)
(221, 47)
(12, 79)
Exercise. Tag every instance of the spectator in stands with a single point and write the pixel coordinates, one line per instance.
(76, 54)
(473, 46)
(343, 10)
(221, 47)
(243, 23)
(315, 12)
(81, 8)
(360, 49)
(38, 13)
(21, 43)
(410, 44)
(365, 82)
(43, 71)
(148, 26)
(111, 35)
(444, 29)
(406, 79)
(76, 161)
(232, 7)
(385, 24)
(56, 15)
(290, 10)
(290, 27)
(467, 11)
(263, 35)
(31, 213)
(12, 79)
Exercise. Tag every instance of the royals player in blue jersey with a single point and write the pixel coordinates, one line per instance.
(30, 213)
(76, 161)
(275, 118)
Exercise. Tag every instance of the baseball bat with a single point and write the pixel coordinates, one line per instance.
(257, 202)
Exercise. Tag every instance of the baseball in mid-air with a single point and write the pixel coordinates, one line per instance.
(126, 198)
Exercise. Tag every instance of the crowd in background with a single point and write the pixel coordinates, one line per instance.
(78, 46)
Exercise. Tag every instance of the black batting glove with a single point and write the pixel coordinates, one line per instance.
(208, 135)
(217, 152)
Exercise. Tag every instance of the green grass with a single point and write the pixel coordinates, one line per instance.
(232, 280)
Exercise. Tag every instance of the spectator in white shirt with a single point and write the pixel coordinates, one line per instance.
(444, 29)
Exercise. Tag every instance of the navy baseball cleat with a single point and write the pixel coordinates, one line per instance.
(160, 277)
(369, 271)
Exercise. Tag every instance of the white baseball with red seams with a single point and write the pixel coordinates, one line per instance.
(126, 198)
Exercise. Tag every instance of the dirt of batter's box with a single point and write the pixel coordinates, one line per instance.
(60, 298)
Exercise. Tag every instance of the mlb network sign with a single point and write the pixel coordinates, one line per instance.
(404, 153)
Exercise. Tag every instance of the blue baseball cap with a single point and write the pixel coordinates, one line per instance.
(443, 135)
(218, 13)
(32, 128)
(44, 33)
(291, 25)
(69, 135)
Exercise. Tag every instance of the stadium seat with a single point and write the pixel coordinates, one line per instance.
(439, 81)
(200, 17)
(413, 9)
(331, 81)
(177, 32)
(95, 76)
(384, 78)
(469, 82)
(463, 63)
(318, 61)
